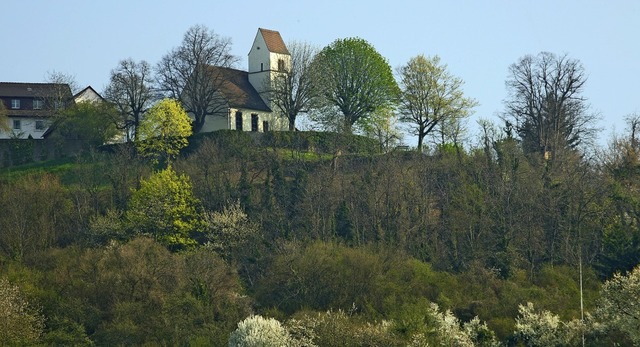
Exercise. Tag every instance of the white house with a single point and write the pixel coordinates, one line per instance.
(30, 107)
(248, 107)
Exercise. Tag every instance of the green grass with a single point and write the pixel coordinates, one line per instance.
(57, 167)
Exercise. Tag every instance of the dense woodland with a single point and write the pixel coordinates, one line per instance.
(527, 235)
(342, 249)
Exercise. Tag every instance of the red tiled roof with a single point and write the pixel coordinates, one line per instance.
(237, 89)
(274, 41)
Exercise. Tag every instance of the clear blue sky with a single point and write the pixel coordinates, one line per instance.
(477, 39)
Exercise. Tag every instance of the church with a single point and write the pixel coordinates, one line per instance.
(248, 107)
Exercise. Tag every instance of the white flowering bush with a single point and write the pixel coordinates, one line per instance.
(619, 306)
(20, 323)
(544, 328)
(257, 331)
(443, 328)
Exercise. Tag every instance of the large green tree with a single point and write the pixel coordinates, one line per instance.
(352, 77)
(165, 208)
(164, 130)
(431, 97)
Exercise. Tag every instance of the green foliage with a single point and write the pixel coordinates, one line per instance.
(432, 99)
(321, 142)
(164, 130)
(165, 208)
(355, 79)
(34, 210)
(91, 124)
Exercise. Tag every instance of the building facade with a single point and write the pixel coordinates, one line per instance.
(29, 108)
(246, 93)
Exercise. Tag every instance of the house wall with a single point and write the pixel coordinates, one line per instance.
(275, 123)
(27, 128)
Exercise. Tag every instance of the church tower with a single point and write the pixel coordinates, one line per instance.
(268, 57)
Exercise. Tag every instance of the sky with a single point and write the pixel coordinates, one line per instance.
(477, 39)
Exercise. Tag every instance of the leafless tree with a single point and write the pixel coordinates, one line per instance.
(292, 91)
(186, 72)
(130, 89)
(545, 104)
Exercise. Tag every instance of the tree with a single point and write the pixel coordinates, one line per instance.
(431, 97)
(185, 73)
(231, 234)
(352, 77)
(164, 130)
(165, 208)
(618, 306)
(545, 105)
(382, 126)
(256, 331)
(130, 89)
(20, 323)
(4, 119)
(292, 92)
(90, 123)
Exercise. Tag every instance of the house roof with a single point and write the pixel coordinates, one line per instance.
(32, 90)
(274, 41)
(237, 89)
(86, 94)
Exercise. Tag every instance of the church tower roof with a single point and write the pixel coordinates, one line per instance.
(274, 41)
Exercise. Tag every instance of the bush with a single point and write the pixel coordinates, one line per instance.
(256, 331)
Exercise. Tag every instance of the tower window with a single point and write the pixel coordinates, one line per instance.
(261, 66)
(280, 65)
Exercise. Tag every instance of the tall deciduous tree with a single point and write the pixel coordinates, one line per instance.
(292, 91)
(354, 78)
(130, 89)
(432, 97)
(165, 208)
(185, 74)
(545, 103)
(164, 130)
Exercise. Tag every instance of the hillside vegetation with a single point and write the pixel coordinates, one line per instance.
(320, 239)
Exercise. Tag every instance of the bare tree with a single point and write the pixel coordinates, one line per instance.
(432, 97)
(59, 93)
(545, 104)
(292, 91)
(130, 89)
(185, 73)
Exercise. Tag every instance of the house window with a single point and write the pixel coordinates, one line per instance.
(239, 120)
(40, 125)
(254, 122)
(15, 103)
(37, 104)
(280, 65)
(265, 126)
(17, 125)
